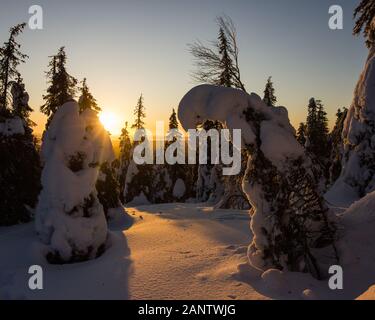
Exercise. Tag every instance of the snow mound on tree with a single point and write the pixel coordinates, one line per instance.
(227, 105)
(363, 104)
(358, 170)
(69, 217)
(12, 126)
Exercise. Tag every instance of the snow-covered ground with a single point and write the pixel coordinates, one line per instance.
(170, 251)
(184, 251)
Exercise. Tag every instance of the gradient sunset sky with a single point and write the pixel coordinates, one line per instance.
(125, 48)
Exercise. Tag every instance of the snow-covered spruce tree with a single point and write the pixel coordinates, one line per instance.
(210, 183)
(178, 172)
(216, 184)
(269, 93)
(289, 222)
(107, 185)
(317, 141)
(336, 145)
(226, 63)
(317, 130)
(139, 178)
(62, 86)
(161, 184)
(204, 189)
(234, 197)
(108, 189)
(19, 162)
(219, 66)
(358, 162)
(157, 183)
(140, 115)
(224, 192)
(19, 159)
(10, 58)
(20, 101)
(365, 13)
(173, 122)
(87, 100)
(69, 218)
(165, 175)
(191, 177)
(125, 158)
(301, 134)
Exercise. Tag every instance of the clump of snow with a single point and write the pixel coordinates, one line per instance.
(341, 194)
(273, 279)
(117, 213)
(308, 294)
(277, 144)
(358, 170)
(12, 127)
(179, 189)
(69, 217)
(227, 105)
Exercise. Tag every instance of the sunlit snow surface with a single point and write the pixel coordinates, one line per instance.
(183, 251)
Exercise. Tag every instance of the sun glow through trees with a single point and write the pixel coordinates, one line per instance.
(110, 122)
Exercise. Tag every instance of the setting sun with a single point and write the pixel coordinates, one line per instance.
(109, 121)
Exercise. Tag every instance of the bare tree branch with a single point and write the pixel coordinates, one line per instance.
(226, 23)
(208, 61)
